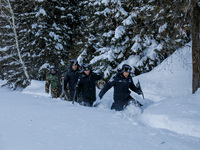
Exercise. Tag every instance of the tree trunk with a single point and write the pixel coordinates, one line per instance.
(16, 40)
(195, 45)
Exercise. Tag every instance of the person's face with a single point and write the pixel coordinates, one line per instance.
(126, 74)
(87, 72)
(74, 67)
(53, 71)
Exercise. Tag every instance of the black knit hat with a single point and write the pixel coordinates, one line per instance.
(86, 67)
(74, 62)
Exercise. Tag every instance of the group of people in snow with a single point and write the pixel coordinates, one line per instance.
(80, 81)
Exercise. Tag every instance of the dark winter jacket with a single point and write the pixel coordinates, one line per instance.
(121, 90)
(71, 77)
(86, 88)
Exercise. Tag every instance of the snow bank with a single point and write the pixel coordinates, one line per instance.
(37, 88)
(2, 82)
(172, 78)
(45, 123)
(180, 115)
(170, 86)
(41, 123)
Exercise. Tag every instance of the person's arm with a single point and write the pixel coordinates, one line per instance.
(106, 88)
(134, 88)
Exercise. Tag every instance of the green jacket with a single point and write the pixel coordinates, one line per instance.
(53, 81)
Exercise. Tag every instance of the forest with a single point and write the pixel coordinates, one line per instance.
(104, 33)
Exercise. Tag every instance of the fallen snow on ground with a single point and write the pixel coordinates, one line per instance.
(169, 120)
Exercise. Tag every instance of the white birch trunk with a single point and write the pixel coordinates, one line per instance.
(16, 38)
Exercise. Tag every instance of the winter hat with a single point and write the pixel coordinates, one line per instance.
(86, 67)
(126, 68)
(53, 69)
(74, 62)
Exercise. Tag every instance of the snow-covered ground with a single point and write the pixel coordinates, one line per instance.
(31, 120)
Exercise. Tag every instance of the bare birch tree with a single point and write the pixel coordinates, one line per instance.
(9, 15)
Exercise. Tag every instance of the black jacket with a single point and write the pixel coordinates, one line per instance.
(86, 87)
(71, 77)
(121, 88)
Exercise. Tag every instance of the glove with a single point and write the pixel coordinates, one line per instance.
(76, 88)
(100, 96)
(139, 91)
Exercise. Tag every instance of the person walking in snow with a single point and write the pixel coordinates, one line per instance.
(52, 80)
(86, 90)
(121, 82)
(71, 78)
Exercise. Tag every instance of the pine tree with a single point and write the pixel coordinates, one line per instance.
(76, 24)
(141, 32)
(100, 24)
(165, 22)
(46, 31)
(88, 30)
(112, 35)
(51, 36)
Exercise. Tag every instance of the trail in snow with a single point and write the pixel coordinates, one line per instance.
(33, 121)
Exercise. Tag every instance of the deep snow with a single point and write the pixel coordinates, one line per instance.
(31, 120)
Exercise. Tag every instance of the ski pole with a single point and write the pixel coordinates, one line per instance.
(75, 91)
(140, 88)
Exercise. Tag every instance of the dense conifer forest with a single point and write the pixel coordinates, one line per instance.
(104, 33)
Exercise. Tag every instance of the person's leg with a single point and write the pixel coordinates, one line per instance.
(117, 106)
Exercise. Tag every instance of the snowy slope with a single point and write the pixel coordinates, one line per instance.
(40, 123)
(170, 86)
(31, 120)
(172, 78)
